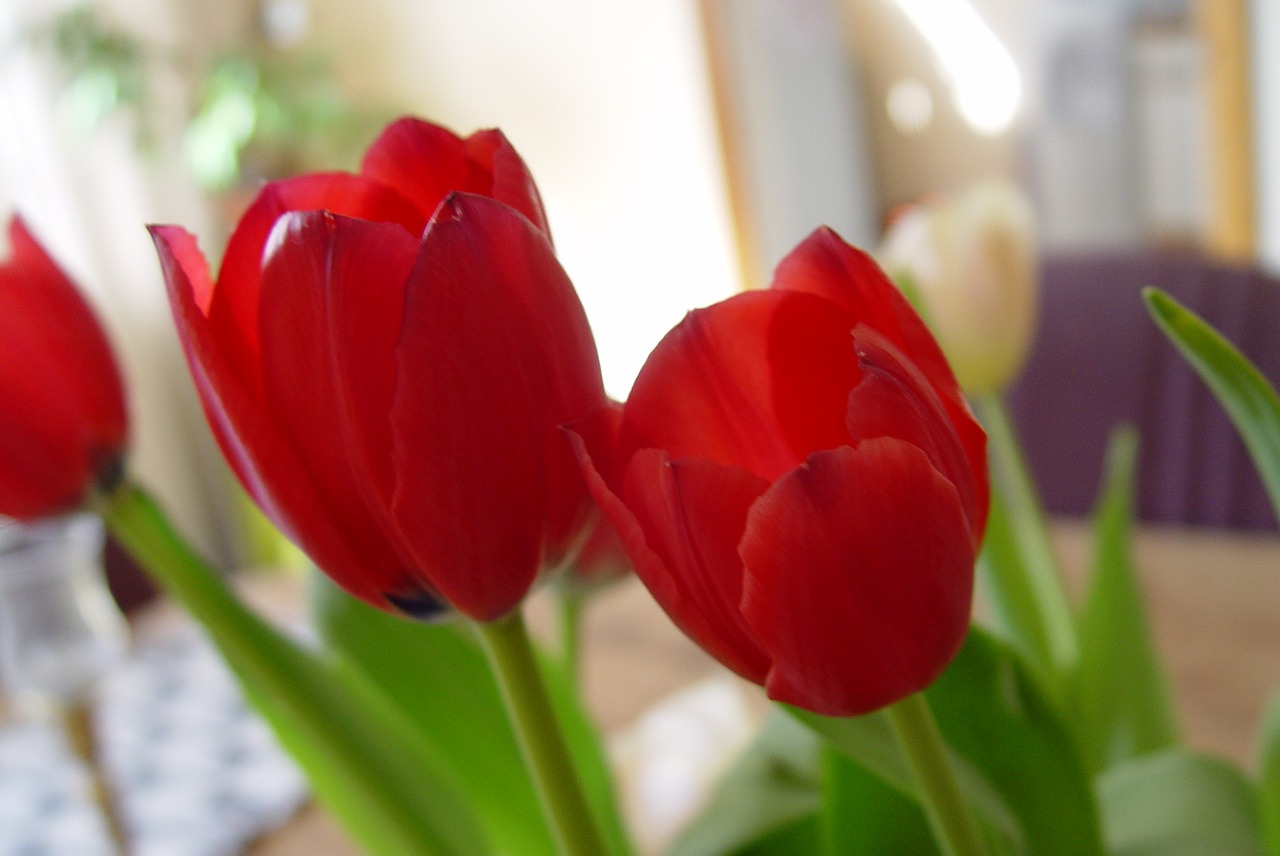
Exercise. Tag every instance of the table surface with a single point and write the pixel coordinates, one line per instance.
(1214, 600)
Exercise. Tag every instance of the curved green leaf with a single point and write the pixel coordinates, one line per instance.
(1017, 567)
(1177, 803)
(363, 758)
(1269, 775)
(439, 678)
(863, 814)
(1016, 760)
(1123, 699)
(1247, 396)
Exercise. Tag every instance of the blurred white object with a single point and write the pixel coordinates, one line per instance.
(60, 631)
(970, 260)
(669, 760)
(285, 23)
(984, 79)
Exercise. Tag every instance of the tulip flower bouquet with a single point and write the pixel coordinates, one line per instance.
(401, 376)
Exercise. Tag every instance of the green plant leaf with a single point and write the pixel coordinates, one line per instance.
(794, 839)
(1177, 803)
(1269, 775)
(870, 741)
(1017, 569)
(864, 814)
(438, 676)
(365, 761)
(1247, 396)
(1016, 760)
(1124, 705)
(767, 799)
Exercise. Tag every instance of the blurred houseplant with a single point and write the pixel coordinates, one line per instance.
(262, 109)
(399, 373)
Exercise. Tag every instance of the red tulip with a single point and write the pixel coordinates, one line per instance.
(63, 423)
(384, 360)
(800, 484)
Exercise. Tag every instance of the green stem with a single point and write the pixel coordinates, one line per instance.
(507, 643)
(570, 608)
(1035, 600)
(949, 816)
(143, 530)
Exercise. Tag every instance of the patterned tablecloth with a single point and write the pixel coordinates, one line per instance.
(195, 771)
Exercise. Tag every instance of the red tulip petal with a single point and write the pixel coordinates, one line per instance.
(228, 404)
(45, 451)
(75, 353)
(692, 514)
(265, 464)
(494, 354)
(859, 574)
(48, 443)
(426, 162)
(658, 539)
(311, 258)
(757, 381)
(364, 297)
(233, 306)
(63, 402)
(823, 264)
(511, 181)
(894, 399)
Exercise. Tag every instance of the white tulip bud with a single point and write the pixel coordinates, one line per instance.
(971, 261)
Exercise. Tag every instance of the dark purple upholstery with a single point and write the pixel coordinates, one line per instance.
(1099, 361)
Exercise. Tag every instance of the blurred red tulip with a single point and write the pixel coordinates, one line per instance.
(63, 422)
(384, 360)
(801, 485)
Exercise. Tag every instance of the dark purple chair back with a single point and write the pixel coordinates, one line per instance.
(1099, 361)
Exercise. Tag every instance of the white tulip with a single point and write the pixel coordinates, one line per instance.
(971, 261)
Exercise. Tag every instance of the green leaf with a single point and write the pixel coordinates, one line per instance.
(799, 837)
(864, 814)
(1123, 700)
(1269, 775)
(769, 795)
(439, 678)
(994, 714)
(1177, 803)
(870, 741)
(363, 758)
(1243, 391)
(1017, 568)
(1016, 760)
